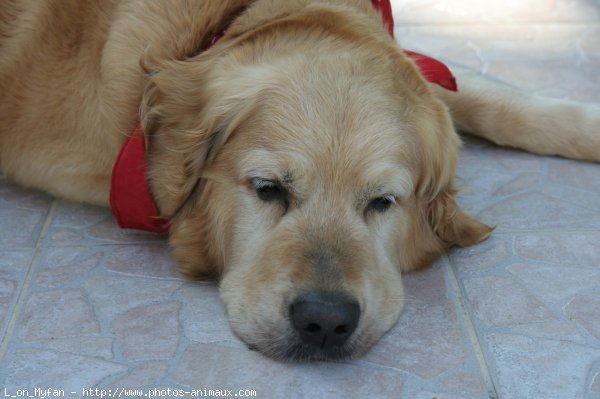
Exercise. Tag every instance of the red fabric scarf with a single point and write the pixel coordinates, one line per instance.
(130, 197)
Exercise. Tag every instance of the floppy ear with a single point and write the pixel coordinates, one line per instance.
(185, 123)
(189, 111)
(438, 222)
(451, 225)
(178, 131)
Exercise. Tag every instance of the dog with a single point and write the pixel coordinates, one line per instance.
(302, 158)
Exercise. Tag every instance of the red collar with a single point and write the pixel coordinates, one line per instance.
(130, 197)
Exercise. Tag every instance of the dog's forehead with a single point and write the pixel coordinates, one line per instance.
(336, 116)
(333, 122)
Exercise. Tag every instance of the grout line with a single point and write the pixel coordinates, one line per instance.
(19, 304)
(475, 342)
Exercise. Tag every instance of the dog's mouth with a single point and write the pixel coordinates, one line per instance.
(295, 350)
(303, 352)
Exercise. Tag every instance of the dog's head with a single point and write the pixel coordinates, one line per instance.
(306, 164)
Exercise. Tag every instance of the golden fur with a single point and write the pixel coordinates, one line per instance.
(312, 95)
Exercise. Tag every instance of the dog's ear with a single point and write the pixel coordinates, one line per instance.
(438, 222)
(435, 189)
(185, 123)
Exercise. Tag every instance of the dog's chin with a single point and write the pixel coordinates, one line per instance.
(293, 349)
(301, 352)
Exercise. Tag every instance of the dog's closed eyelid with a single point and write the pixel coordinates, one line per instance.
(382, 203)
(260, 183)
(270, 191)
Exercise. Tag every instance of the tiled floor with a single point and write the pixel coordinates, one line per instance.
(86, 305)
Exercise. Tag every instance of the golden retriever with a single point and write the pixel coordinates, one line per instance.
(303, 160)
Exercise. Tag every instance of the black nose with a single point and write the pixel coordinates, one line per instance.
(324, 320)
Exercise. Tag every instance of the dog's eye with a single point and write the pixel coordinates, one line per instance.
(381, 204)
(269, 191)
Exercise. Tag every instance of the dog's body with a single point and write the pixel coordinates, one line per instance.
(303, 159)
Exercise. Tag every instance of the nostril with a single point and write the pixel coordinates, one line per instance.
(313, 328)
(340, 330)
